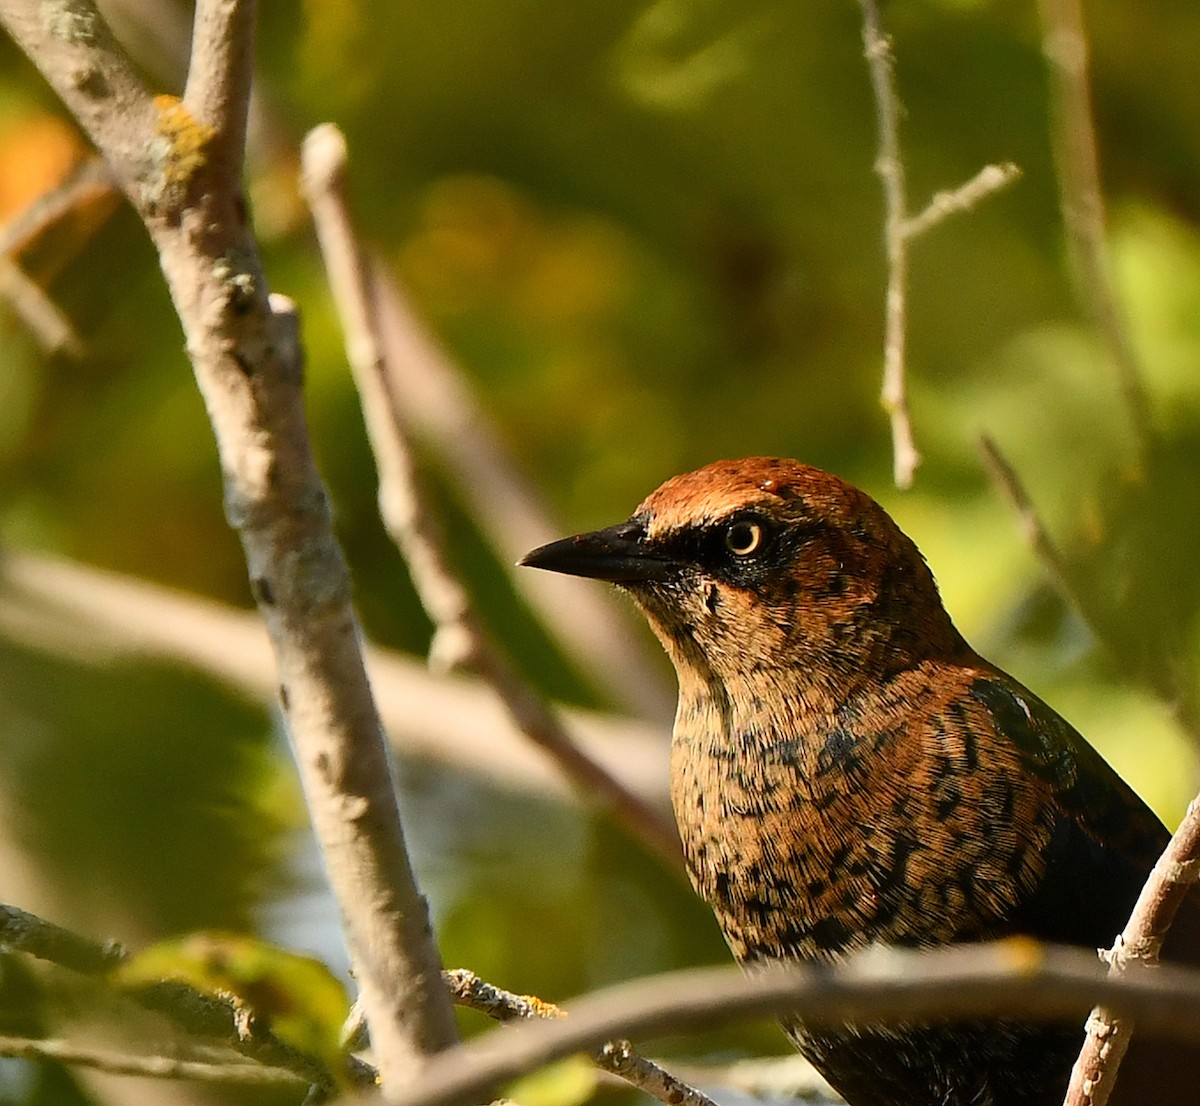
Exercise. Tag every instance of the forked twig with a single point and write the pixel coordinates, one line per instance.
(900, 229)
(617, 1057)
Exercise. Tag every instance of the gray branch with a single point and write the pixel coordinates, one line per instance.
(179, 164)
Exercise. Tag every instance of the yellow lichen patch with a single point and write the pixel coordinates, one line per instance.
(183, 150)
(542, 1009)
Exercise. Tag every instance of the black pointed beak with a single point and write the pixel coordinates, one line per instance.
(619, 554)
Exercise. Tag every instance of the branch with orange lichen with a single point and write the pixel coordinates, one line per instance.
(617, 1057)
(882, 986)
(179, 162)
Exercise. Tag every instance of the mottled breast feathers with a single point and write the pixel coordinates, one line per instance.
(846, 770)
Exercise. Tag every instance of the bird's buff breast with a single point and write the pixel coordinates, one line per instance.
(810, 841)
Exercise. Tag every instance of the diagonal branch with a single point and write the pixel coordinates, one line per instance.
(616, 1057)
(592, 628)
(177, 162)
(1174, 876)
(1015, 977)
(188, 1010)
(989, 179)
(154, 1067)
(459, 637)
(1075, 153)
(218, 81)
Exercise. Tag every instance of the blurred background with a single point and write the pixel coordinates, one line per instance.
(643, 235)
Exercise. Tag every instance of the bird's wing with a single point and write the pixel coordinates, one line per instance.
(1103, 839)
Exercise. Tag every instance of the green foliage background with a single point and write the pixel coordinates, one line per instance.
(650, 234)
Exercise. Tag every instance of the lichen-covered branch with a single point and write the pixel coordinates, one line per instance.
(179, 162)
(616, 1057)
(1016, 977)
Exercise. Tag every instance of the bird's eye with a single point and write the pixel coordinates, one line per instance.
(743, 538)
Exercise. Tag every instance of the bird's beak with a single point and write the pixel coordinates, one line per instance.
(619, 554)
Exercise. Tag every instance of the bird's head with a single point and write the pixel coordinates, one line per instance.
(762, 564)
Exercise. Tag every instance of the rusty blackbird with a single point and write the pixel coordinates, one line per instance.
(847, 770)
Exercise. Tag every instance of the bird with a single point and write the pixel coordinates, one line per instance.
(846, 771)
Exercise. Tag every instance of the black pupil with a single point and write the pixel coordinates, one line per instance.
(742, 538)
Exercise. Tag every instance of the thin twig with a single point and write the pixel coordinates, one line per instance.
(592, 627)
(89, 183)
(220, 73)
(1015, 978)
(156, 1067)
(179, 162)
(459, 638)
(990, 179)
(783, 1078)
(617, 1057)
(1075, 152)
(889, 166)
(1160, 680)
(1174, 875)
(190, 1011)
(21, 931)
(41, 315)
(1005, 479)
(899, 229)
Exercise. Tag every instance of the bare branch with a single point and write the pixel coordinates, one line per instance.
(181, 170)
(590, 625)
(969, 194)
(193, 1012)
(94, 616)
(887, 986)
(220, 72)
(1075, 152)
(890, 168)
(40, 314)
(617, 1057)
(900, 229)
(1174, 875)
(71, 44)
(1005, 479)
(459, 637)
(21, 931)
(156, 1067)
